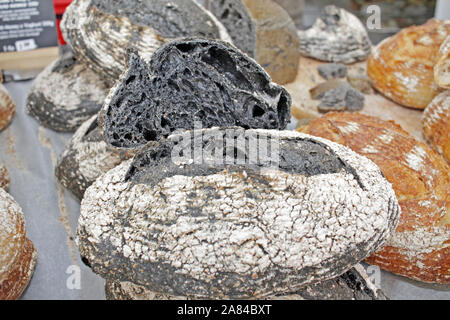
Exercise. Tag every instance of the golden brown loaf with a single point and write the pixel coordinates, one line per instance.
(442, 66)
(402, 66)
(420, 246)
(7, 108)
(17, 253)
(436, 124)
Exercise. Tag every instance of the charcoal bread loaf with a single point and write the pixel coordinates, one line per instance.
(263, 30)
(436, 124)
(401, 66)
(352, 285)
(66, 94)
(419, 248)
(100, 32)
(202, 215)
(336, 36)
(7, 107)
(86, 157)
(191, 80)
(4, 177)
(17, 253)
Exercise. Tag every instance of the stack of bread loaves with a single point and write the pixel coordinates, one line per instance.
(293, 210)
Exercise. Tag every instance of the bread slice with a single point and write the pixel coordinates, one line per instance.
(191, 81)
(17, 253)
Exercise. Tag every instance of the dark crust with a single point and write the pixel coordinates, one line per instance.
(302, 156)
(235, 17)
(67, 169)
(348, 286)
(193, 80)
(164, 279)
(171, 19)
(64, 117)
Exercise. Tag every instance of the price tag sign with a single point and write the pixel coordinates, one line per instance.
(27, 26)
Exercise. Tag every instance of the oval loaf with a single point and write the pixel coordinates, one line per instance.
(177, 222)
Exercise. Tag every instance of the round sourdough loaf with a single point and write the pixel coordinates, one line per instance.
(17, 253)
(436, 124)
(401, 67)
(7, 107)
(298, 210)
(352, 285)
(65, 94)
(420, 246)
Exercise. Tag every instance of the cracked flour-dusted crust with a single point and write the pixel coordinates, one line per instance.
(17, 254)
(352, 285)
(85, 158)
(420, 247)
(236, 234)
(102, 39)
(7, 107)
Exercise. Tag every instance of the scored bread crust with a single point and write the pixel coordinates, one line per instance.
(275, 236)
(419, 248)
(442, 67)
(402, 66)
(436, 124)
(17, 253)
(7, 107)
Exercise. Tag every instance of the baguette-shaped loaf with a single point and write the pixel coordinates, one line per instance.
(17, 253)
(402, 66)
(420, 247)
